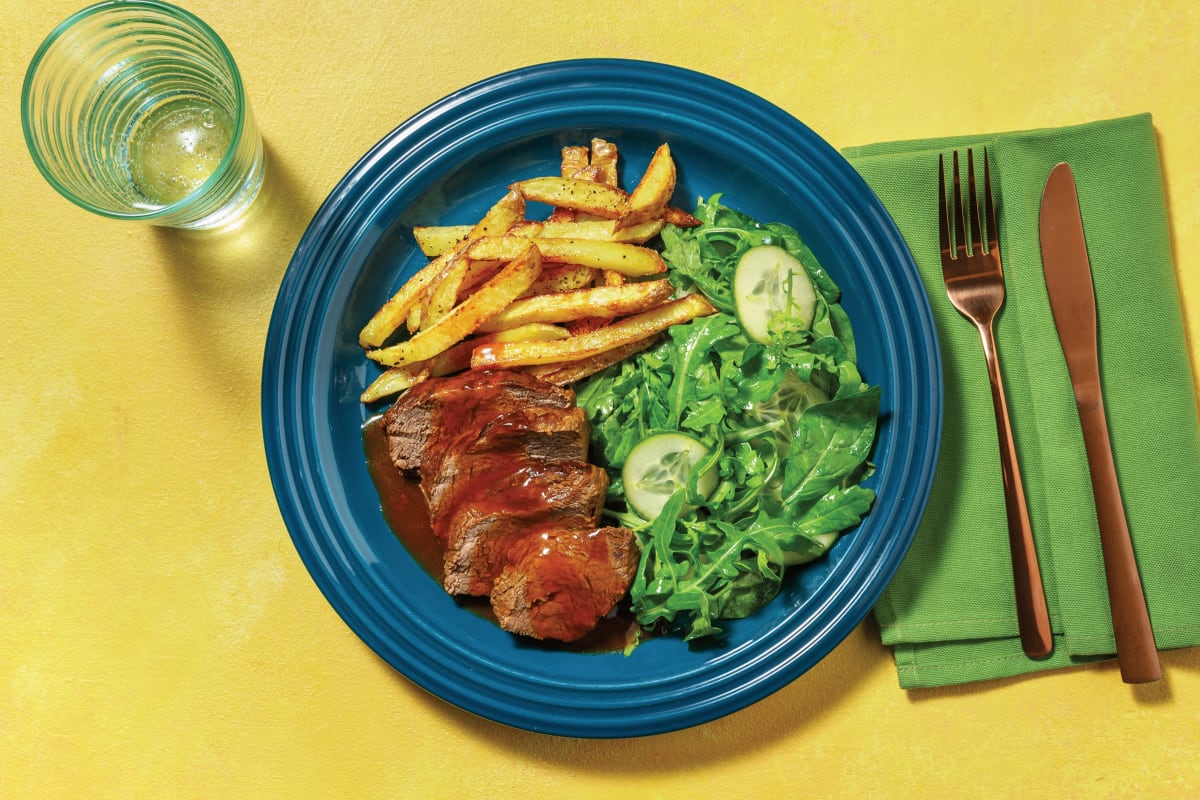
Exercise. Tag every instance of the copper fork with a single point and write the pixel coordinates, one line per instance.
(974, 280)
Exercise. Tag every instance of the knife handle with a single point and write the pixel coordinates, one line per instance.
(1137, 653)
(1033, 616)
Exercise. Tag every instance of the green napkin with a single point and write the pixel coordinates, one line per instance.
(949, 612)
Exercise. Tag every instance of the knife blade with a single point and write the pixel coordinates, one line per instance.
(1068, 273)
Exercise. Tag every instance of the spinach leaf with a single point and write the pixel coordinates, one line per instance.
(832, 440)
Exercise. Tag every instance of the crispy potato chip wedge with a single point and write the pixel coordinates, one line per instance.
(462, 320)
(650, 196)
(603, 301)
(627, 259)
(618, 334)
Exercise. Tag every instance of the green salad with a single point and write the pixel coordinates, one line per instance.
(736, 446)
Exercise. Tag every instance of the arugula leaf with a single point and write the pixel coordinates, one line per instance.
(789, 484)
(693, 348)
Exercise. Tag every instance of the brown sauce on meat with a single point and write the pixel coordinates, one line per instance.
(407, 514)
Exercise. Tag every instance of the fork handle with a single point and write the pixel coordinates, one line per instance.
(1033, 616)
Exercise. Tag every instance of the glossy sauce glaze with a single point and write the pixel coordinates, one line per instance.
(407, 514)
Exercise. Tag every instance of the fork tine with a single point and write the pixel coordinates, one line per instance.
(960, 233)
(943, 208)
(973, 222)
(993, 238)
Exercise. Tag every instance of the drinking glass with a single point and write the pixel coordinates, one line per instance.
(135, 109)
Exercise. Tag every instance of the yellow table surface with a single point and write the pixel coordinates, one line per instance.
(159, 636)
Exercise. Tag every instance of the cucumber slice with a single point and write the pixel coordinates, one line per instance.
(659, 466)
(825, 540)
(787, 404)
(761, 290)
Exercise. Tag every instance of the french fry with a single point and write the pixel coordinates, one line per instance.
(532, 228)
(568, 372)
(437, 239)
(396, 380)
(679, 218)
(455, 359)
(443, 295)
(603, 301)
(650, 196)
(589, 173)
(604, 156)
(628, 259)
(477, 273)
(574, 160)
(628, 330)
(586, 325)
(573, 165)
(500, 290)
(527, 229)
(602, 230)
(445, 289)
(533, 332)
(508, 210)
(396, 311)
(640, 233)
(558, 297)
(589, 197)
(458, 357)
(563, 278)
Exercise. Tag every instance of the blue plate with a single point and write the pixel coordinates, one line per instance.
(448, 164)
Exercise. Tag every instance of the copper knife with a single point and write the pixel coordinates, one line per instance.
(1073, 302)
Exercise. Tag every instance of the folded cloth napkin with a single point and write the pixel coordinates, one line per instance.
(949, 612)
